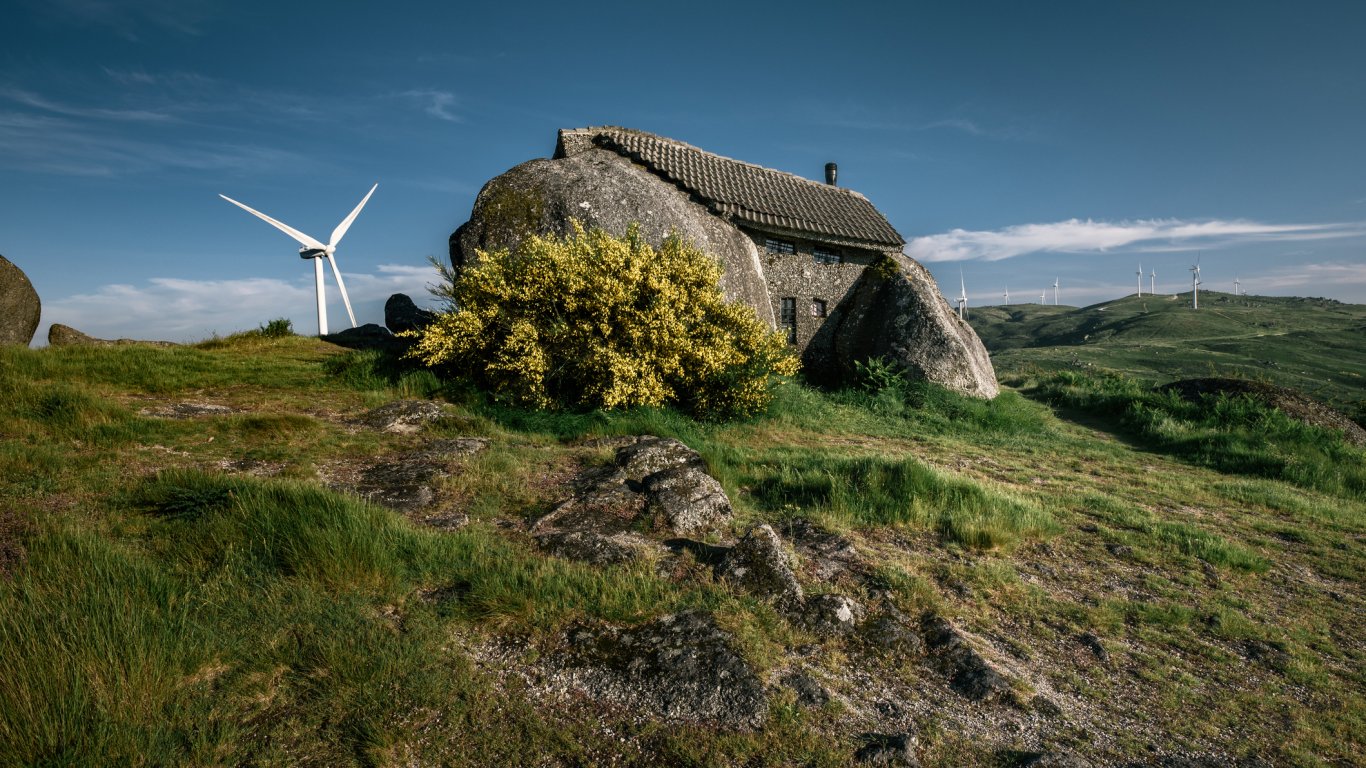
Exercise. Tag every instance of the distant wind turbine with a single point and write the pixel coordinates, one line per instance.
(1152, 281)
(1195, 283)
(312, 249)
(1043, 296)
(962, 297)
(1055, 291)
(1236, 286)
(1006, 295)
(1140, 281)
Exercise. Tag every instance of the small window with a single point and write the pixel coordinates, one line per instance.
(826, 256)
(789, 319)
(817, 308)
(779, 246)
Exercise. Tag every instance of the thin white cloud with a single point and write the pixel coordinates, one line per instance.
(1146, 235)
(1336, 274)
(47, 105)
(131, 19)
(435, 103)
(176, 309)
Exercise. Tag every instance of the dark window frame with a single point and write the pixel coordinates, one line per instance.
(819, 308)
(827, 256)
(779, 246)
(788, 315)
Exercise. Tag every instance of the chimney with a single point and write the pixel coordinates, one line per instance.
(832, 172)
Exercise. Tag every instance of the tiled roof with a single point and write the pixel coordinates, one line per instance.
(749, 193)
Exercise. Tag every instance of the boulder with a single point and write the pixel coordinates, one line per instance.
(830, 615)
(592, 547)
(20, 308)
(898, 750)
(970, 672)
(895, 311)
(602, 189)
(401, 314)
(368, 336)
(760, 566)
(59, 335)
(681, 667)
(401, 416)
(892, 633)
(686, 499)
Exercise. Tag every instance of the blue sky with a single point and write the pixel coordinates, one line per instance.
(1018, 142)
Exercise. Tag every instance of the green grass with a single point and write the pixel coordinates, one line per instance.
(164, 611)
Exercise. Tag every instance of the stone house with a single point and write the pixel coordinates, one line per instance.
(814, 240)
(816, 261)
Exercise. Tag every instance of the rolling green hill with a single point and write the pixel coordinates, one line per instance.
(1317, 346)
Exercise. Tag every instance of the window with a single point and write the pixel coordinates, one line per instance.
(779, 246)
(826, 256)
(789, 319)
(817, 308)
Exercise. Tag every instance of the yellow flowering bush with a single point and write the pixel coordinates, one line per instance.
(592, 320)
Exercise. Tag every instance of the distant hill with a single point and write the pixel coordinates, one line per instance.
(1317, 346)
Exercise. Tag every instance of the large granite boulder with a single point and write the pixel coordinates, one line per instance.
(59, 335)
(604, 190)
(895, 311)
(19, 305)
(401, 314)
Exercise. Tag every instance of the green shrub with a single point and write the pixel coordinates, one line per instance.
(595, 321)
(278, 328)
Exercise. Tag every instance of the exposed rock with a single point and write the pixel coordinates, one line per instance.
(891, 632)
(1093, 644)
(401, 416)
(592, 547)
(651, 454)
(686, 498)
(970, 673)
(401, 314)
(186, 410)
(1296, 405)
(898, 750)
(368, 336)
(454, 447)
(825, 555)
(679, 667)
(605, 190)
(20, 308)
(830, 615)
(903, 318)
(405, 484)
(760, 565)
(59, 335)
(810, 693)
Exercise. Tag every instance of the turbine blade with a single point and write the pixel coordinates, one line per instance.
(303, 239)
(342, 286)
(346, 222)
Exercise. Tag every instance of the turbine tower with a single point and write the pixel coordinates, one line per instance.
(1195, 284)
(1043, 296)
(1152, 281)
(1236, 286)
(962, 297)
(312, 249)
(1055, 291)
(1140, 281)
(1006, 295)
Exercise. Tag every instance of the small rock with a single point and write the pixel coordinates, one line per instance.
(1092, 642)
(760, 566)
(590, 547)
(401, 416)
(891, 632)
(830, 615)
(1119, 550)
(970, 673)
(810, 693)
(453, 447)
(687, 498)
(678, 667)
(401, 314)
(896, 750)
(652, 454)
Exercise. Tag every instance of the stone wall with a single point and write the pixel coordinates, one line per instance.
(800, 277)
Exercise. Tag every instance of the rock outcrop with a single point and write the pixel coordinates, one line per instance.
(401, 314)
(604, 190)
(896, 312)
(59, 335)
(20, 308)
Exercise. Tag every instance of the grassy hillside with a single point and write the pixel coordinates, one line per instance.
(1317, 346)
(187, 591)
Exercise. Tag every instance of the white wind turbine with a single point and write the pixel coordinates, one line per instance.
(1055, 291)
(1140, 281)
(1236, 286)
(312, 249)
(1007, 295)
(1152, 282)
(1043, 296)
(962, 297)
(1195, 283)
